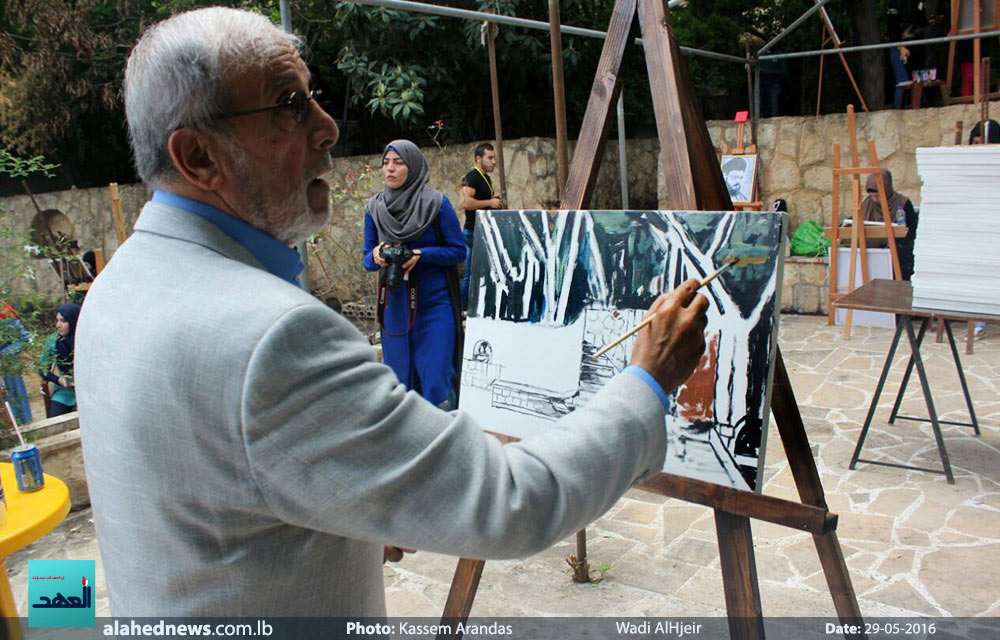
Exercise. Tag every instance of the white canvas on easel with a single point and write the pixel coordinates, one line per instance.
(548, 289)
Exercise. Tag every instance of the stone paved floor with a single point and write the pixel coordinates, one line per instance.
(914, 544)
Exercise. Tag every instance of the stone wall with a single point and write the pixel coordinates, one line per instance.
(804, 286)
(796, 154)
(795, 162)
(90, 212)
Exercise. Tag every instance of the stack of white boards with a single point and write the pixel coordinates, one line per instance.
(957, 251)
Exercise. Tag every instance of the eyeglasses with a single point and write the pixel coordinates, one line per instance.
(297, 105)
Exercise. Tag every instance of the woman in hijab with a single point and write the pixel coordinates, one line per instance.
(900, 212)
(57, 361)
(13, 337)
(412, 229)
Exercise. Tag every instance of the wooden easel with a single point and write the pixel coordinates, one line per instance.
(694, 182)
(960, 26)
(116, 213)
(830, 35)
(755, 203)
(859, 237)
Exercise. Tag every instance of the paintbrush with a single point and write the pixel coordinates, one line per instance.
(730, 262)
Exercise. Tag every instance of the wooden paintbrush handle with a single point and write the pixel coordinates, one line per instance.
(617, 341)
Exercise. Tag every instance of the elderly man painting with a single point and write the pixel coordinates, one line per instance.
(245, 452)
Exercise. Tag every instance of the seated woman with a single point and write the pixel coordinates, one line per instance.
(420, 316)
(901, 211)
(57, 361)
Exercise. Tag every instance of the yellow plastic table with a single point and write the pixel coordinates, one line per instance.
(29, 517)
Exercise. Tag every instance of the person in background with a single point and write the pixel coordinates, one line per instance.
(57, 361)
(991, 135)
(984, 132)
(420, 317)
(898, 30)
(901, 211)
(239, 436)
(13, 338)
(477, 193)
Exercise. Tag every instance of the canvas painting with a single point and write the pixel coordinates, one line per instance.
(739, 173)
(549, 289)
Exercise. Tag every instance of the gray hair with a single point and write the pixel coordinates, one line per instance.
(177, 76)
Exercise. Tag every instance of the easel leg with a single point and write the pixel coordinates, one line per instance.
(925, 386)
(831, 557)
(739, 576)
(908, 372)
(462, 593)
(810, 488)
(961, 376)
(878, 394)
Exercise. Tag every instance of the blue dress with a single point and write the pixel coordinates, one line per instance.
(15, 391)
(425, 351)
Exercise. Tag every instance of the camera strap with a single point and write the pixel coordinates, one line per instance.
(383, 302)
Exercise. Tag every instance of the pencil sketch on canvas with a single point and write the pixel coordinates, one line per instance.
(549, 289)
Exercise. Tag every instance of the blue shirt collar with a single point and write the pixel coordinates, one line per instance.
(276, 258)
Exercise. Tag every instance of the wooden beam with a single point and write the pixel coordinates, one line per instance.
(600, 109)
(491, 34)
(694, 178)
(811, 518)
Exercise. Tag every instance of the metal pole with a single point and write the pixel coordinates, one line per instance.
(286, 17)
(479, 16)
(302, 248)
(491, 33)
(871, 47)
(792, 27)
(559, 93)
(622, 160)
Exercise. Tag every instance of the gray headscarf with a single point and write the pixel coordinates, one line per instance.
(403, 214)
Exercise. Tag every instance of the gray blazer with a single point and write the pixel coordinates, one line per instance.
(247, 455)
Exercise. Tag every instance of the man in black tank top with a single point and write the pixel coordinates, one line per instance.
(477, 193)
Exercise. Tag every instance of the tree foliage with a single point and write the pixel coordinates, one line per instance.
(390, 73)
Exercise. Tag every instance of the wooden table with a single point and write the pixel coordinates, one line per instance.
(896, 296)
(29, 517)
(872, 232)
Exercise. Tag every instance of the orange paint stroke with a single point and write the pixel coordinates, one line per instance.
(697, 394)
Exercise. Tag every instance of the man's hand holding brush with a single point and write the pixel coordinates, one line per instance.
(670, 347)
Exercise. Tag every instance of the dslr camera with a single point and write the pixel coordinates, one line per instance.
(396, 256)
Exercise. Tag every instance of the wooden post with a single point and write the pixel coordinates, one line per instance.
(835, 225)
(116, 213)
(559, 94)
(831, 36)
(491, 34)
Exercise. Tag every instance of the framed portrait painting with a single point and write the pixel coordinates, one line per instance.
(740, 174)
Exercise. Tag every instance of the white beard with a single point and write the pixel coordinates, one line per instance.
(289, 220)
